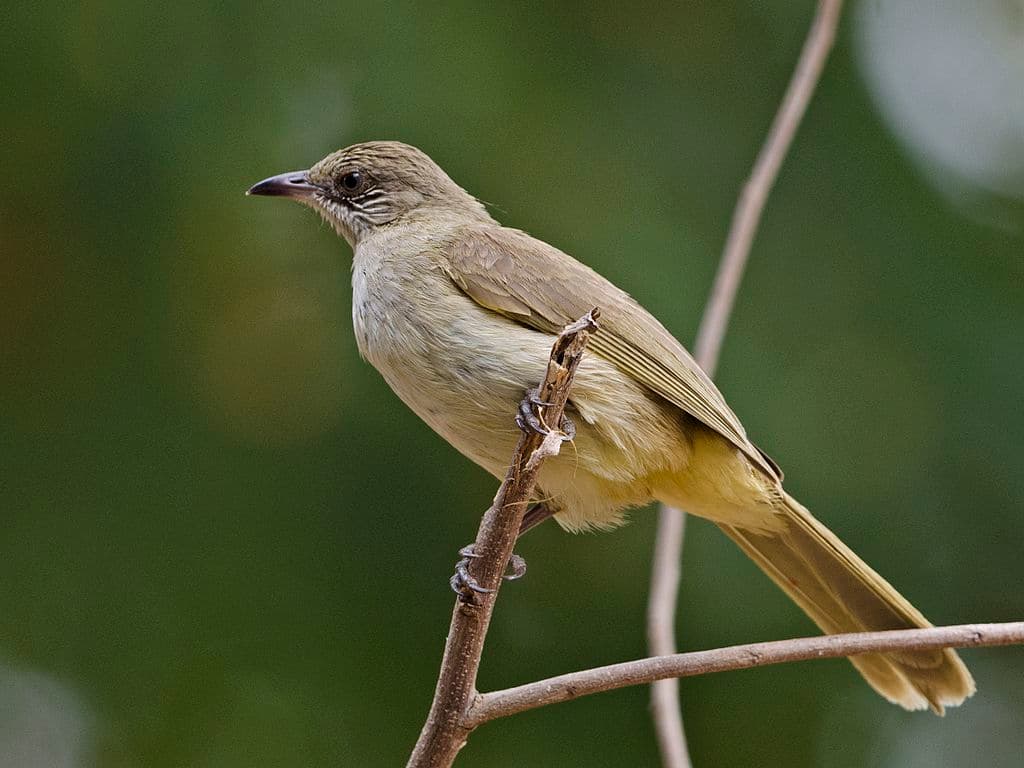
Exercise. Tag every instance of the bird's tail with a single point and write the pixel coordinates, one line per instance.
(841, 593)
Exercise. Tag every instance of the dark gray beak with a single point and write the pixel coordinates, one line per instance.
(295, 185)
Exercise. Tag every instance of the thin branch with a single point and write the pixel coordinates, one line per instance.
(510, 701)
(661, 635)
(445, 731)
(746, 217)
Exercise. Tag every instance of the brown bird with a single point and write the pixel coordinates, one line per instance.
(458, 314)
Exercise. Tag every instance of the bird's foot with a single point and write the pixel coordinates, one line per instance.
(464, 584)
(528, 420)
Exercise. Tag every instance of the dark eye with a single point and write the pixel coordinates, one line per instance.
(351, 181)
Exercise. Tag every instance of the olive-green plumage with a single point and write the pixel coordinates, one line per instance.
(458, 314)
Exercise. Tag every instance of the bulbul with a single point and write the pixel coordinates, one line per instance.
(458, 313)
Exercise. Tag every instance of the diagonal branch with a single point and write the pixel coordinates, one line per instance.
(752, 199)
(445, 731)
(511, 701)
(661, 611)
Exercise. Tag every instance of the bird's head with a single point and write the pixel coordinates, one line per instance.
(367, 186)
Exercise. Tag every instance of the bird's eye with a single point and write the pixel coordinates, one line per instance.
(351, 181)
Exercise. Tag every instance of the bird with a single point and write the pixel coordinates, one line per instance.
(458, 314)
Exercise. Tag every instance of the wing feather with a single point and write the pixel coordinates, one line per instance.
(509, 272)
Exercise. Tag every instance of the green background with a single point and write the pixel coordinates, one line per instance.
(226, 543)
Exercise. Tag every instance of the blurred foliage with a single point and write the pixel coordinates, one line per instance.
(226, 543)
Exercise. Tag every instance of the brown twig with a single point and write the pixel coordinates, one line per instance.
(446, 730)
(510, 701)
(661, 615)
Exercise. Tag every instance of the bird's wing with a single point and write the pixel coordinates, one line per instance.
(508, 271)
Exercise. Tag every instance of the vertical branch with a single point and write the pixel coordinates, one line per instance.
(446, 729)
(665, 572)
(661, 636)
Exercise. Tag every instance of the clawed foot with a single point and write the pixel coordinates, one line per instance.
(464, 585)
(528, 420)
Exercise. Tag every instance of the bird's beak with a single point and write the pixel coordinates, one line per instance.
(295, 185)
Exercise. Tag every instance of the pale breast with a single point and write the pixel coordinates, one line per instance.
(459, 367)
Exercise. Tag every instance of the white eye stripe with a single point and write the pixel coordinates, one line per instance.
(373, 193)
(348, 215)
(369, 203)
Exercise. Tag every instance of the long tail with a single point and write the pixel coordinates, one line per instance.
(841, 593)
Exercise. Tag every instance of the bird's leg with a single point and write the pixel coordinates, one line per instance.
(462, 581)
(528, 420)
(534, 516)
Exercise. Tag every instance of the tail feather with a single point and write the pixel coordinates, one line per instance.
(841, 593)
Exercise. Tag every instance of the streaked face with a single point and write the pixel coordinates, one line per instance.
(365, 186)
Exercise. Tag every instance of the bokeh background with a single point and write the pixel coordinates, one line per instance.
(226, 543)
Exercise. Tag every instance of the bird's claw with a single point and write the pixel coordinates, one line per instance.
(528, 421)
(462, 581)
(464, 584)
(516, 568)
